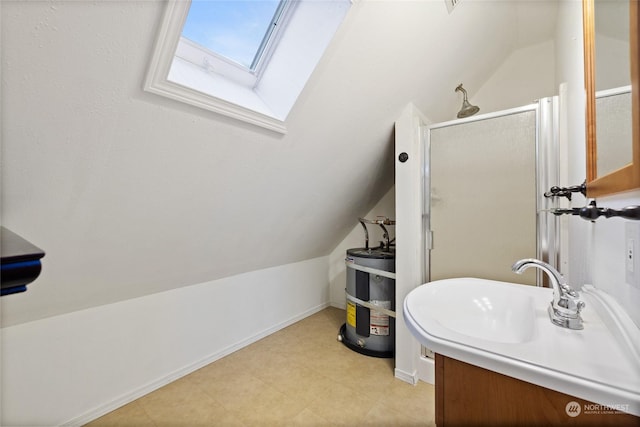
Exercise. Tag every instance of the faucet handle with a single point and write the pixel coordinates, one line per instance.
(568, 290)
(564, 309)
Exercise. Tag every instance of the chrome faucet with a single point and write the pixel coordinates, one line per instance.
(565, 308)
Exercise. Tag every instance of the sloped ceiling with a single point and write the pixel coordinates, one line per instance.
(131, 194)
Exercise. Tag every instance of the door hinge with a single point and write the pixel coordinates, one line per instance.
(429, 240)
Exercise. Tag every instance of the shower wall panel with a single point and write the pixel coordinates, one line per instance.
(482, 183)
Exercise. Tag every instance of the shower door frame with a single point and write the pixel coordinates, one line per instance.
(547, 166)
(547, 174)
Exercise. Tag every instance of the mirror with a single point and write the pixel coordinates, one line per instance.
(613, 129)
(626, 174)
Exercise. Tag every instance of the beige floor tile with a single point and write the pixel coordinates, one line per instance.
(418, 401)
(342, 404)
(309, 418)
(372, 381)
(228, 365)
(270, 408)
(295, 380)
(182, 404)
(233, 391)
(269, 350)
(380, 416)
(129, 415)
(299, 376)
(249, 357)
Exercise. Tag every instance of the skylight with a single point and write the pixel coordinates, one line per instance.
(238, 30)
(244, 59)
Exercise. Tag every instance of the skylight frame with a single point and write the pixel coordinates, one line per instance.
(215, 62)
(265, 102)
(192, 51)
(271, 37)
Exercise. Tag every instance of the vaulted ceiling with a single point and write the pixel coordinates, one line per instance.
(131, 194)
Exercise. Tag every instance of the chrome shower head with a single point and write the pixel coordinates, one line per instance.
(467, 109)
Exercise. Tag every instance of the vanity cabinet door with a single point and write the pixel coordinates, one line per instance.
(467, 395)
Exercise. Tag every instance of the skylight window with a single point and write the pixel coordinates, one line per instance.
(237, 30)
(245, 59)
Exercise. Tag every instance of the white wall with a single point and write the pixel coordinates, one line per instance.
(606, 238)
(596, 250)
(72, 368)
(410, 250)
(130, 194)
(524, 77)
(570, 74)
(356, 239)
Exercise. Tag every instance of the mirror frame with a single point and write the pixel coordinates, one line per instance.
(627, 177)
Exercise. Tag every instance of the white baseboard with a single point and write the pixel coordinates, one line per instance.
(341, 306)
(72, 368)
(161, 382)
(411, 378)
(426, 370)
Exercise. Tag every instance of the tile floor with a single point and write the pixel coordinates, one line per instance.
(299, 376)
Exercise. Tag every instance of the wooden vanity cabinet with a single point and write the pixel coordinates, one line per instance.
(467, 395)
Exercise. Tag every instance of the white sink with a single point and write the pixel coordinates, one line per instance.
(505, 327)
(494, 311)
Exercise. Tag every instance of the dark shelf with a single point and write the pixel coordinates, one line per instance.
(19, 264)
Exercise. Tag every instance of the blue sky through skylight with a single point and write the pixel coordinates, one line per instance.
(232, 28)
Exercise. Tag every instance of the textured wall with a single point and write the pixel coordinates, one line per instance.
(72, 368)
(131, 194)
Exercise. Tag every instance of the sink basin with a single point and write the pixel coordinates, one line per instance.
(505, 327)
(492, 311)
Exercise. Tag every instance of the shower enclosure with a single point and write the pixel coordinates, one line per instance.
(483, 183)
(469, 202)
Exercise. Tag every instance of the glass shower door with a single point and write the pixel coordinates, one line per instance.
(481, 196)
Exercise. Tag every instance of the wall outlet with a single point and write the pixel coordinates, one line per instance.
(632, 254)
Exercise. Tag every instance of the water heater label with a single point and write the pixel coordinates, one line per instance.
(351, 314)
(379, 323)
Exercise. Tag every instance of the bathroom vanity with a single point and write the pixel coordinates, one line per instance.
(501, 361)
(467, 395)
